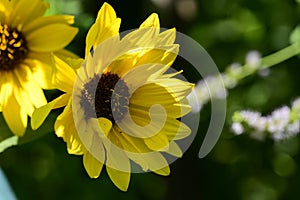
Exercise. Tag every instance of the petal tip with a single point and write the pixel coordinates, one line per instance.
(106, 8)
(151, 21)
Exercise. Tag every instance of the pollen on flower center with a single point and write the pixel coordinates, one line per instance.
(110, 96)
(13, 48)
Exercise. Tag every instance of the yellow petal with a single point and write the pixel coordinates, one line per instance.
(19, 91)
(171, 127)
(51, 38)
(138, 159)
(128, 142)
(23, 99)
(116, 157)
(42, 67)
(70, 58)
(6, 87)
(65, 128)
(178, 88)
(180, 109)
(167, 37)
(105, 125)
(25, 11)
(145, 124)
(174, 150)
(163, 171)
(156, 162)
(14, 115)
(112, 30)
(138, 76)
(103, 55)
(2, 16)
(164, 55)
(86, 128)
(65, 54)
(146, 35)
(119, 178)
(159, 57)
(92, 133)
(24, 78)
(151, 21)
(141, 112)
(138, 152)
(93, 144)
(176, 130)
(152, 161)
(171, 96)
(107, 24)
(133, 147)
(92, 165)
(40, 114)
(150, 94)
(147, 67)
(157, 142)
(5, 11)
(4, 5)
(64, 75)
(48, 20)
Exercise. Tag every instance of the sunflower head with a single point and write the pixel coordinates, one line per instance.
(28, 41)
(123, 106)
(13, 48)
(107, 94)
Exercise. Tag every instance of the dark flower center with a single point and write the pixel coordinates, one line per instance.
(106, 96)
(13, 48)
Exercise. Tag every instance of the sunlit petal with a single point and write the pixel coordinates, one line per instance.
(92, 165)
(58, 36)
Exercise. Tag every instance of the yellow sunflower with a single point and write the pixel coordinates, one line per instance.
(27, 39)
(120, 104)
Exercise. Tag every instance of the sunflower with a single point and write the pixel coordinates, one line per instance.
(121, 106)
(27, 40)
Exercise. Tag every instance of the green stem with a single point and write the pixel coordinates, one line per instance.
(280, 56)
(273, 59)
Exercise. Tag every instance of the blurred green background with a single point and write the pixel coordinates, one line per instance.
(238, 167)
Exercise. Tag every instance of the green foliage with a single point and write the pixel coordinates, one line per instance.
(239, 167)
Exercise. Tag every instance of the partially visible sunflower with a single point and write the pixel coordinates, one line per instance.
(120, 104)
(27, 40)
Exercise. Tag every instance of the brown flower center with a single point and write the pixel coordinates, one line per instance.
(13, 48)
(106, 96)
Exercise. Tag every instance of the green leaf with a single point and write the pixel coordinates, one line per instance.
(8, 139)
